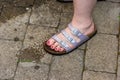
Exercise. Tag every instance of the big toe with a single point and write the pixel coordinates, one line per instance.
(50, 42)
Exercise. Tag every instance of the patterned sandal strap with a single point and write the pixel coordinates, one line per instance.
(62, 43)
(69, 38)
(77, 33)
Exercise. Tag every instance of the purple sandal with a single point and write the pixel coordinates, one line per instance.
(83, 38)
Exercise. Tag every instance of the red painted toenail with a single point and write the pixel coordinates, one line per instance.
(52, 47)
(48, 42)
(56, 49)
(60, 49)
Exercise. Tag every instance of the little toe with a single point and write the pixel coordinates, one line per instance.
(61, 49)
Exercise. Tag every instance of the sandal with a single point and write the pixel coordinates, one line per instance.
(83, 38)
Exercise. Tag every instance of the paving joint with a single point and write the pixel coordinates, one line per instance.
(50, 65)
(108, 34)
(84, 61)
(118, 49)
(101, 71)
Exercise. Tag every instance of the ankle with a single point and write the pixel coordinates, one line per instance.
(83, 23)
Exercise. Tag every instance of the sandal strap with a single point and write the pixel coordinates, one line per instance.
(74, 30)
(69, 38)
(62, 43)
(77, 33)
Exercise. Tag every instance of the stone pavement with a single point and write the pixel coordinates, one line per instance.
(25, 24)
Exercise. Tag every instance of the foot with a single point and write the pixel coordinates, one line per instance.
(85, 28)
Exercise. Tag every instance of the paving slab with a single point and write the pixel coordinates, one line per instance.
(43, 15)
(32, 73)
(67, 67)
(118, 70)
(35, 37)
(15, 27)
(8, 59)
(106, 17)
(90, 75)
(101, 54)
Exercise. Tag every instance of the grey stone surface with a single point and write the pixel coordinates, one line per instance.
(90, 75)
(53, 5)
(67, 7)
(66, 18)
(106, 17)
(44, 16)
(30, 73)
(14, 28)
(67, 67)
(8, 59)
(118, 70)
(39, 35)
(46, 59)
(101, 54)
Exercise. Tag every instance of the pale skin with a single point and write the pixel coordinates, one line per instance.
(82, 19)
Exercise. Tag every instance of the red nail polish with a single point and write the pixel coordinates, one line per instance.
(60, 49)
(52, 47)
(56, 49)
(48, 42)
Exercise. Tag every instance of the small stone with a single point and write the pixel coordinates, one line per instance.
(16, 39)
(27, 9)
(36, 67)
(31, 37)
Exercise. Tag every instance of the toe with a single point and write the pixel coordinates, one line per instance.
(61, 49)
(57, 48)
(54, 45)
(50, 42)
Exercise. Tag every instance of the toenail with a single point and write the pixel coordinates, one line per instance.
(52, 47)
(48, 42)
(56, 49)
(60, 49)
